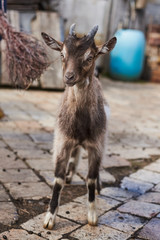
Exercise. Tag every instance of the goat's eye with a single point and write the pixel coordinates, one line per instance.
(89, 59)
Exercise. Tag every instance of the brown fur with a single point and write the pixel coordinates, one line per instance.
(81, 119)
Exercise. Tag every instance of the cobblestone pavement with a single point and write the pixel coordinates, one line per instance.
(127, 209)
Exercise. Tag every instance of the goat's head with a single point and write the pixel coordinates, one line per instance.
(78, 54)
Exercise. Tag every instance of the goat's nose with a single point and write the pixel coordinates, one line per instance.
(69, 76)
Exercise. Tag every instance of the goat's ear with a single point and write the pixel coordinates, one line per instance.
(108, 46)
(51, 42)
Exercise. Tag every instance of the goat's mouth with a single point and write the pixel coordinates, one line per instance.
(70, 84)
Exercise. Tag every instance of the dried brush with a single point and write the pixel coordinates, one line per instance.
(26, 57)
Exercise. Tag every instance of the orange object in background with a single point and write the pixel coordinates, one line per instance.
(153, 51)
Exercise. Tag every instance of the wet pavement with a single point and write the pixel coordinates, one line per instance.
(128, 208)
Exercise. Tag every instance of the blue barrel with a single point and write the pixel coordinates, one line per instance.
(127, 58)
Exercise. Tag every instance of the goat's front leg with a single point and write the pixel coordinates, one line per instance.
(94, 158)
(61, 157)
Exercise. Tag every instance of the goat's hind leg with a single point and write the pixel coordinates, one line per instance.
(60, 171)
(73, 161)
(98, 185)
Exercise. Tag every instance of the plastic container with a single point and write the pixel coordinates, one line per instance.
(127, 58)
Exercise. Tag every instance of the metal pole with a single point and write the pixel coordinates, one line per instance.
(3, 5)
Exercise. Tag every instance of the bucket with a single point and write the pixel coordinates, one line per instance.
(127, 58)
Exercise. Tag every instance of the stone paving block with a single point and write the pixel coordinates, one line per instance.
(117, 193)
(42, 137)
(134, 185)
(4, 197)
(71, 209)
(8, 163)
(151, 230)
(2, 144)
(82, 173)
(45, 146)
(158, 215)
(99, 233)
(40, 164)
(157, 188)
(19, 234)
(61, 227)
(6, 154)
(122, 221)
(13, 112)
(8, 213)
(18, 175)
(142, 209)
(152, 197)
(48, 176)
(15, 136)
(76, 180)
(146, 176)
(115, 161)
(33, 154)
(34, 191)
(48, 122)
(106, 177)
(154, 167)
(28, 126)
(8, 129)
(135, 239)
(103, 203)
(132, 138)
(18, 144)
(131, 153)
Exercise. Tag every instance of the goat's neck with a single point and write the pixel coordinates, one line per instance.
(80, 90)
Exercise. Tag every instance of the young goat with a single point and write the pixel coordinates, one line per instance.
(82, 117)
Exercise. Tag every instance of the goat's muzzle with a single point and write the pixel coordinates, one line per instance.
(69, 78)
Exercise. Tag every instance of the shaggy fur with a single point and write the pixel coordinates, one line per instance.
(82, 119)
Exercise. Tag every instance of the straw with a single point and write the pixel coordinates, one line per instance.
(26, 57)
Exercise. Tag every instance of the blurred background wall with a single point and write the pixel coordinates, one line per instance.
(55, 16)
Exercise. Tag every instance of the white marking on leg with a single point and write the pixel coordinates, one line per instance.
(69, 177)
(91, 181)
(71, 160)
(49, 220)
(60, 181)
(92, 215)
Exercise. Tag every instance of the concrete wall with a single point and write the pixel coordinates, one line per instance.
(86, 14)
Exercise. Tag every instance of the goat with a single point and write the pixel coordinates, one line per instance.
(82, 118)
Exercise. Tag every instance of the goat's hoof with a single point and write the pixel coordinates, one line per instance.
(49, 221)
(97, 192)
(92, 218)
(68, 179)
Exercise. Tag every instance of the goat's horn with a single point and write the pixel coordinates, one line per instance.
(72, 29)
(93, 32)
